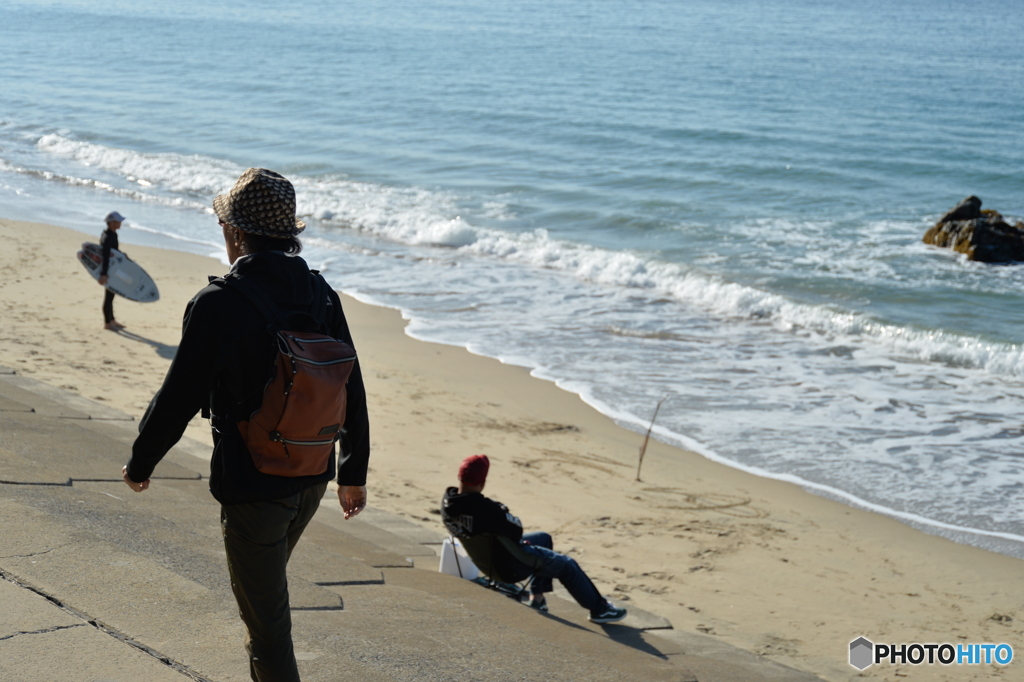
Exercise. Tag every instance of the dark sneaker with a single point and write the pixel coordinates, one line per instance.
(609, 614)
(539, 604)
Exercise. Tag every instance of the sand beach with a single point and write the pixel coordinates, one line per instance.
(760, 564)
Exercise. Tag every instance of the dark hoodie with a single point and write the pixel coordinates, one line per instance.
(479, 522)
(469, 514)
(223, 362)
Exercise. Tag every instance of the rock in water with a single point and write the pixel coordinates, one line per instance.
(984, 236)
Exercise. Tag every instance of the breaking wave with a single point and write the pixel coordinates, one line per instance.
(422, 217)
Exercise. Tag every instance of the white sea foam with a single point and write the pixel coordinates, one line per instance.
(585, 392)
(417, 216)
(189, 175)
(857, 422)
(126, 193)
(733, 300)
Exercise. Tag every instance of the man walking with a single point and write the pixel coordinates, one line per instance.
(222, 366)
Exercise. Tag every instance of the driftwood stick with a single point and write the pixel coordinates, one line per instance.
(643, 448)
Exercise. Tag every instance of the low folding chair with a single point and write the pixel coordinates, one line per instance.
(506, 577)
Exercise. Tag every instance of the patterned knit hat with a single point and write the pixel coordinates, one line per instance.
(261, 202)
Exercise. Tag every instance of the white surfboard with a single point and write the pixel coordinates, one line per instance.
(124, 276)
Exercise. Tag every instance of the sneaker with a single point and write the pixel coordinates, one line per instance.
(609, 614)
(539, 604)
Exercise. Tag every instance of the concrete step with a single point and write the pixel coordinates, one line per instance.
(140, 580)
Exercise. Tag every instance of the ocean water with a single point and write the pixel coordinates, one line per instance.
(718, 204)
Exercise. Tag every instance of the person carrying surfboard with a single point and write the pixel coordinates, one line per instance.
(108, 241)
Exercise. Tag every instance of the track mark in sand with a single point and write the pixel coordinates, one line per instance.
(602, 464)
(596, 462)
(1001, 619)
(770, 645)
(680, 500)
(530, 428)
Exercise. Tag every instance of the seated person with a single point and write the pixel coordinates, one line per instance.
(494, 539)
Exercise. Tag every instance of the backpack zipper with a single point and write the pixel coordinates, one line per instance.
(278, 438)
(323, 362)
(296, 338)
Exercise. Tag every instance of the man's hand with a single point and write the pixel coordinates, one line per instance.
(137, 487)
(103, 279)
(352, 498)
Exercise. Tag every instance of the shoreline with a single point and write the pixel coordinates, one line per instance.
(1008, 544)
(759, 563)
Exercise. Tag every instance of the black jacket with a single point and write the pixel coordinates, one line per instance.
(223, 363)
(489, 533)
(108, 241)
(471, 514)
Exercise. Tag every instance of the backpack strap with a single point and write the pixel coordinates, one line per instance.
(259, 298)
(271, 312)
(319, 311)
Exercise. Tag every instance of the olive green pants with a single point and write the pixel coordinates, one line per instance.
(259, 538)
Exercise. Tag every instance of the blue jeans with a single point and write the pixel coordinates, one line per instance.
(564, 568)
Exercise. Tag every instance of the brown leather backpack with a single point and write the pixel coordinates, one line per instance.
(293, 431)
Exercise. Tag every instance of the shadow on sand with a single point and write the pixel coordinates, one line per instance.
(623, 634)
(162, 349)
(633, 638)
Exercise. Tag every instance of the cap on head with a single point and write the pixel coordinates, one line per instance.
(114, 217)
(261, 202)
(473, 470)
